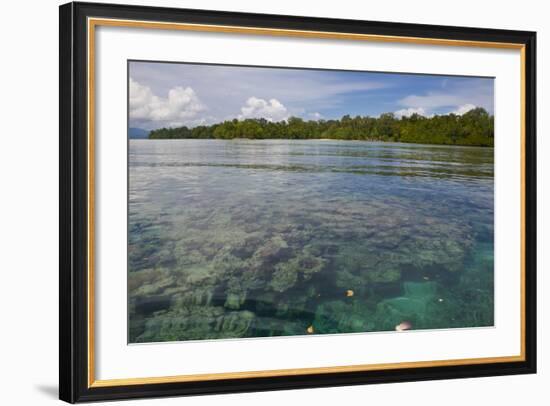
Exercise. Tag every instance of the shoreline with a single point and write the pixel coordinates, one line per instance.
(308, 139)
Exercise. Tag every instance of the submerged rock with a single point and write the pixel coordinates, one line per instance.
(301, 268)
(284, 277)
(234, 300)
(196, 323)
(273, 250)
(412, 306)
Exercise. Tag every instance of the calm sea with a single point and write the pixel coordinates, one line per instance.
(253, 238)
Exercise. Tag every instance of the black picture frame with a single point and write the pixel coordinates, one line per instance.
(74, 199)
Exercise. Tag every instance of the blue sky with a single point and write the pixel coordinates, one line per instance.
(176, 94)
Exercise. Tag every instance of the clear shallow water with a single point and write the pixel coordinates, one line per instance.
(253, 238)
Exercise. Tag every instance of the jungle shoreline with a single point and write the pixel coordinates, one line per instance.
(313, 139)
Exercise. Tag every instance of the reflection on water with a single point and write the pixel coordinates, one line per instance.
(260, 238)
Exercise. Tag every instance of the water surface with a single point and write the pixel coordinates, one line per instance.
(254, 238)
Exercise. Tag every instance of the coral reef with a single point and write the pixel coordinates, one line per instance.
(277, 255)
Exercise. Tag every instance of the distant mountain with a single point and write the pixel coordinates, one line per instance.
(138, 133)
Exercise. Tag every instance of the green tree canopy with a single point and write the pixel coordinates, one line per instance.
(476, 127)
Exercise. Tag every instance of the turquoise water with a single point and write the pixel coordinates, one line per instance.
(255, 238)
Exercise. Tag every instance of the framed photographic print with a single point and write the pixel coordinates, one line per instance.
(256, 202)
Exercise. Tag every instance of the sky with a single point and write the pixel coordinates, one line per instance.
(177, 94)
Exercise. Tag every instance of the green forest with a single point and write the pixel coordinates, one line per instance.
(476, 128)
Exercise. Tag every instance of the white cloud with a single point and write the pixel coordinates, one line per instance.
(410, 111)
(272, 110)
(457, 96)
(459, 110)
(463, 109)
(431, 100)
(223, 89)
(181, 106)
(315, 116)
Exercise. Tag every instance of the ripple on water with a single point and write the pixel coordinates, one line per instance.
(232, 239)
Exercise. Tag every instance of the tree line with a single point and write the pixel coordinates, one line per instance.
(476, 127)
